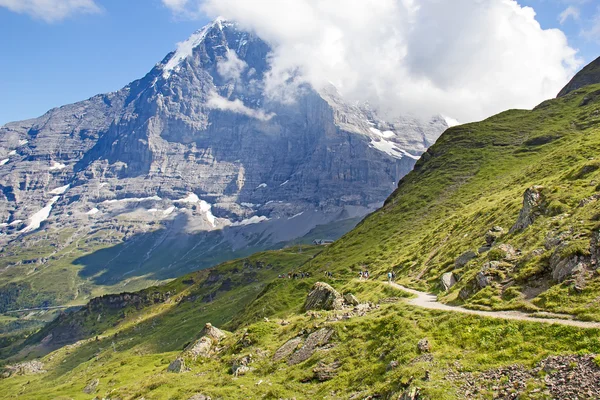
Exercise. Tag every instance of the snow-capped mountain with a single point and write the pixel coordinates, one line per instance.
(193, 163)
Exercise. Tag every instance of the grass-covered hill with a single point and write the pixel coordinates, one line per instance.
(467, 193)
(505, 210)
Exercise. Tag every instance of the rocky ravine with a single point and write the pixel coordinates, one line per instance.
(194, 164)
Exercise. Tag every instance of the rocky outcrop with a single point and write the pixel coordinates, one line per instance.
(464, 259)
(423, 346)
(92, 386)
(564, 265)
(200, 348)
(24, 368)
(203, 347)
(311, 344)
(200, 396)
(448, 280)
(212, 332)
(323, 297)
(326, 371)
(533, 207)
(557, 377)
(350, 299)
(287, 349)
(241, 366)
(177, 366)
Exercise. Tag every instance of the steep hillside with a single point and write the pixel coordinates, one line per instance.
(192, 165)
(587, 76)
(507, 207)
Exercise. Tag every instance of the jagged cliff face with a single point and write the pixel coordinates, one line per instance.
(196, 156)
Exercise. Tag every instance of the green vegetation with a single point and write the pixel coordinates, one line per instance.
(454, 213)
(474, 178)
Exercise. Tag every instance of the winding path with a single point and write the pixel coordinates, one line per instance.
(429, 301)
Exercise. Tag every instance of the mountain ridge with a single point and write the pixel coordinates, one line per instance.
(192, 163)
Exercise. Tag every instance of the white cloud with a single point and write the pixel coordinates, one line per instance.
(237, 106)
(231, 67)
(464, 58)
(569, 12)
(51, 10)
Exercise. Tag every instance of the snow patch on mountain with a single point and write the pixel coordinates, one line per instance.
(35, 221)
(249, 221)
(131, 200)
(56, 166)
(60, 190)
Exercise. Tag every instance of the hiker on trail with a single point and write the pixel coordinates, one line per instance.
(367, 274)
(393, 276)
(389, 277)
(360, 275)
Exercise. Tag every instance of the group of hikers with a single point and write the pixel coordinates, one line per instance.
(363, 275)
(294, 275)
(366, 275)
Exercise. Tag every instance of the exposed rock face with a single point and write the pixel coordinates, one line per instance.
(448, 280)
(197, 151)
(204, 346)
(326, 371)
(587, 76)
(564, 267)
(533, 207)
(350, 299)
(423, 346)
(507, 251)
(25, 368)
(323, 297)
(287, 349)
(212, 332)
(92, 386)
(201, 348)
(464, 258)
(199, 396)
(313, 341)
(177, 366)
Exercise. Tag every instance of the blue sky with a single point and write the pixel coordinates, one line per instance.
(46, 64)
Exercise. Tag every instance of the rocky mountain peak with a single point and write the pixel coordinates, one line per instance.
(196, 162)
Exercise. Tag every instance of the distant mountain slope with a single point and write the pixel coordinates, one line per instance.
(587, 76)
(189, 166)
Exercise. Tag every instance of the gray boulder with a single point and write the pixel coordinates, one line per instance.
(533, 207)
(313, 341)
(199, 396)
(177, 366)
(423, 346)
(350, 299)
(464, 258)
(563, 267)
(287, 349)
(323, 297)
(200, 348)
(448, 280)
(212, 332)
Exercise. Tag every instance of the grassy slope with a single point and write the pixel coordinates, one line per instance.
(474, 178)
